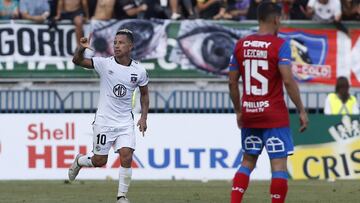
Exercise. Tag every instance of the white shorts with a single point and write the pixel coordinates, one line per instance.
(105, 137)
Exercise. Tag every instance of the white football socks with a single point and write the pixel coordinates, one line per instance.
(86, 160)
(124, 181)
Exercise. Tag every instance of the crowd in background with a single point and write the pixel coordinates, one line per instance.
(40, 10)
(81, 11)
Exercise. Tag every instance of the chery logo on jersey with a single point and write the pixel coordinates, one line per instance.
(256, 44)
(119, 90)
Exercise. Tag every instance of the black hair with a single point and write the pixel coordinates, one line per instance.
(341, 82)
(127, 32)
(267, 10)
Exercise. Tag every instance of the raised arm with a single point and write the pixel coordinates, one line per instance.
(78, 58)
(144, 101)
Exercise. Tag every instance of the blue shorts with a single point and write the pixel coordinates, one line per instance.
(278, 141)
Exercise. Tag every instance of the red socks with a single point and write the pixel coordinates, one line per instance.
(278, 187)
(240, 184)
(278, 190)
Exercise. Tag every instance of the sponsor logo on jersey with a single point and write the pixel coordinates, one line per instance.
(119, 90)
(256, 44)
(255, 106)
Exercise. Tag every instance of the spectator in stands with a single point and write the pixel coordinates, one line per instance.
(324, 10)
(252, 12)
(341, 102)
(174, 10)
(350, 9)
(157, 9)
(37, 11)
(9, 9)
(212, 9)
(238, 9)
(75, 10)
(285, 8)
(298, 9)
(92, 7)
(130, 9)
(188, 9)
(104, 10)
(52, 5)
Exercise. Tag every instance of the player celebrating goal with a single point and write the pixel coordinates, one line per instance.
(263, 61)
(113, 124)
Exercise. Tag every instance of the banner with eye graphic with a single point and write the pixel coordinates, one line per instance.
(206, 45)
(150, 38)
(175, 49)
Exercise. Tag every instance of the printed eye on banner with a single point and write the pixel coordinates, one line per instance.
(143, 31)
(208, 48)
(309, 52)
(147, 35)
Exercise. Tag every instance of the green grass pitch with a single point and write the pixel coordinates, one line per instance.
(171, 191)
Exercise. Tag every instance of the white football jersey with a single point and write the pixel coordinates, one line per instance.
(117, 84)
(325, 11)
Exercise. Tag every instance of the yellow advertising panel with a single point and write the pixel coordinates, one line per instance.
(336, 159)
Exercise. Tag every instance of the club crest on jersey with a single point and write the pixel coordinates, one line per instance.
(119, 90)
(133, 78)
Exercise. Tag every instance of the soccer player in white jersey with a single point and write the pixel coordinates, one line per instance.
(114, 125)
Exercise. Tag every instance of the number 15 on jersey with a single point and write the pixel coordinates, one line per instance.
(251, 71)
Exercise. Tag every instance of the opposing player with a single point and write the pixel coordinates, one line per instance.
(263, 61)
(114, 125)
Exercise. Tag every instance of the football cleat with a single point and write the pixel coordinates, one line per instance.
(74, 168)
(123, 199)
